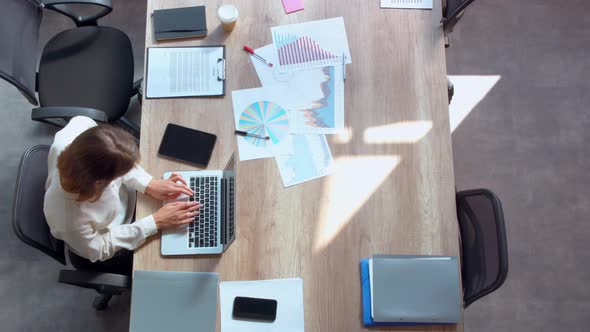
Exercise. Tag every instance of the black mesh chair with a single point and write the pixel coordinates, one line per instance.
(87, 70)
(484, 252)
(30, 226)
(452, 13)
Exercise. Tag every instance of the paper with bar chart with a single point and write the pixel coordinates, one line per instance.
(310, 45)
(321, 108)
(263, 111)
(311, 159)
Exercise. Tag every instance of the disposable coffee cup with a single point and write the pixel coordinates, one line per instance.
(228, 16)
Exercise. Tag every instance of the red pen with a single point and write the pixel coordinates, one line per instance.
(251, 51)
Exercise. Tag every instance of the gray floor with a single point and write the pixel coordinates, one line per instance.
(525, 141)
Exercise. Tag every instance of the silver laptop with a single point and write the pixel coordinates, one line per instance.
(214, 228)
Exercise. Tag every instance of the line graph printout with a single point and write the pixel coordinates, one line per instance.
(324, 113)
(311, 159)
(310, 45)
(321, 90)
(264, 112)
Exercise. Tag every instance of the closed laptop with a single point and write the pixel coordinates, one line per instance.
(173, 301)
(415, 289)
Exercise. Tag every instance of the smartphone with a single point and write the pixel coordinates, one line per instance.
(255, 309)
(186, 144)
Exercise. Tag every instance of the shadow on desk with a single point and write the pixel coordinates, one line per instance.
(210, 261)
(218, 35)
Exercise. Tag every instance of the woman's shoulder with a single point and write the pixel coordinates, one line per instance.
(75, 127)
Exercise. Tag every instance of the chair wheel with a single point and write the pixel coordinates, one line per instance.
(101, 302)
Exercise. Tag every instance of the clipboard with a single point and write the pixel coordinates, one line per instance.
(180, 72)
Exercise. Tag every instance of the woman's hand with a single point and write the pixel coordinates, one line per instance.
(176, 214)
(168, 189)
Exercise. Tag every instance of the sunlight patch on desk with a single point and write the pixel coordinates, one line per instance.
(469, 91)
(398, 132)
(344, 136)
(355, 179)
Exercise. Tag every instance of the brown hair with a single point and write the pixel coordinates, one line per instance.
(94, 159)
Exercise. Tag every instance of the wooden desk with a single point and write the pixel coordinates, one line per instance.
(394, 197)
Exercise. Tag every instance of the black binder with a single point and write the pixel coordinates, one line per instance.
(180, 23)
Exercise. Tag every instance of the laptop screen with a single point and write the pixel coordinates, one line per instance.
(228, 203)
(230, 167)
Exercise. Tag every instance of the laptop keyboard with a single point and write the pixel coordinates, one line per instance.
(202, 233)
(230, 219)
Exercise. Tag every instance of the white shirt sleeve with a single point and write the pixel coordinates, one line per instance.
(137, 178)
(99, 246)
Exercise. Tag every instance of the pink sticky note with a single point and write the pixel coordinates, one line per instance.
(292, 5)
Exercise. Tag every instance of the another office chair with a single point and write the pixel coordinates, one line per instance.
(29, 224)
(450, 90)
(484, 253)
(452, 13)
(87, 70)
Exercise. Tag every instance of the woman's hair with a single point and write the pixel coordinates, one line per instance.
(94, 159)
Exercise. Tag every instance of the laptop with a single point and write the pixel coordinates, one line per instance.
(179, 298)
(214, 228)
(415, 289)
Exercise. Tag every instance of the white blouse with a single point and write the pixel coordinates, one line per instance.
(95, 230)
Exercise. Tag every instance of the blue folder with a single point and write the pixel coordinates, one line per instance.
(366, 294)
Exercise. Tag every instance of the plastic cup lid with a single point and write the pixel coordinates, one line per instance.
(227, 13)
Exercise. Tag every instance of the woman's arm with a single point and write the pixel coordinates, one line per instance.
(137, 178)
(100, 246)
(163, 190)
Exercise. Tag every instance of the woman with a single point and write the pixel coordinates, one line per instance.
(91, 187)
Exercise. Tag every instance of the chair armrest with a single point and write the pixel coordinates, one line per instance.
(44, 114)
(104, 283)
(61, 6)
(136, 86)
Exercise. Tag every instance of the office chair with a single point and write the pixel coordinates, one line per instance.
(450, 90)
(86, 70)
(452, 13)
(28, 221)
(484, 252)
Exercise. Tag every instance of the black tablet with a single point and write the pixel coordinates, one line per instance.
(187, 144)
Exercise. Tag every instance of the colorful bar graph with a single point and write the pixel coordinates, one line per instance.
(294, 50)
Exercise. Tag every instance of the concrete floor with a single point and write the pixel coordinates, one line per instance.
(524, 140)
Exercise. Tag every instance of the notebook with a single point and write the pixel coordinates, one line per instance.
(408, 4)
(173, 301)
(180, 23)
(174, 72)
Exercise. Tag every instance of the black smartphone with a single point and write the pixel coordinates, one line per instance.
(187, 144)
(255, 309)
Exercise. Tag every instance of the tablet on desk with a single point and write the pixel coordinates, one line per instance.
(186, 144)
